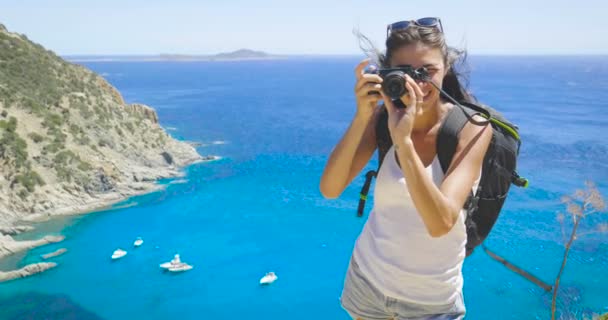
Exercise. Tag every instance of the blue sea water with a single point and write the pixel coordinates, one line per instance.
(259, 209)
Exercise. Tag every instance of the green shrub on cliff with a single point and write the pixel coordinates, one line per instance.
(82, 139)
(35, 137)
(29, 180)
(52, 148)
(129, 127)
(75, 129)
(80, 113)
(29, 73)
(10, 125)
(66, 163)
(12, 146)
(52, 120)
(84, 110)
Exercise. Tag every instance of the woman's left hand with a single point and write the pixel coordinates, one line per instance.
(401, 121)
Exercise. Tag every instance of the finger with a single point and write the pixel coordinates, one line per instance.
(416, 92)
(375, 93)
(368, 89)
(360, 67)
(371, 99)
(367, 78)
(390, 106)
(411, 96)
(419, 93)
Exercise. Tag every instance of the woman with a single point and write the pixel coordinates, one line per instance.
(407, 261)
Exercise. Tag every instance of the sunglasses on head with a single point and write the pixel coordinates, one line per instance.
(422, 22)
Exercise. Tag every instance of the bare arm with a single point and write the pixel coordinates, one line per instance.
(359, 142)
(350, 155)
(439, 207)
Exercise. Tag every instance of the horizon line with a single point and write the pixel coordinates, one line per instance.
(207, 55)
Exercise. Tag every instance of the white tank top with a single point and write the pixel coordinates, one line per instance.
(396, 253)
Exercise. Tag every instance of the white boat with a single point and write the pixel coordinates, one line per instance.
(176, 264)
(138, 242)
(180, 268)
(118, 253)
(269, 278)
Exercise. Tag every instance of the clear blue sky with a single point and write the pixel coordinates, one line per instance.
(303, 27)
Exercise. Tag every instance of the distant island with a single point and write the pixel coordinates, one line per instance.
(238, 55)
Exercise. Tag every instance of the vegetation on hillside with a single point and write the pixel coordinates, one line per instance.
(53, 112)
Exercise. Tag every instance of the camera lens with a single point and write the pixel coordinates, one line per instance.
(421, 74)
(394, 84)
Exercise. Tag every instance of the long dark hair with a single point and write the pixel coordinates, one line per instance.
(454, 59)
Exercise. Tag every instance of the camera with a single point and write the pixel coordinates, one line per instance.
(393, 79)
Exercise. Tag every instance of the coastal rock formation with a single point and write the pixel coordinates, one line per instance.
(68, 141)
(26, 271)
(54, 253)
(13, 230)
(9, 246)
(144, 111)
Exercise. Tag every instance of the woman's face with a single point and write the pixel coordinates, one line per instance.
(419, 55)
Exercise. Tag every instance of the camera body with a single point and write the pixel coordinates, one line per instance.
(393, 79)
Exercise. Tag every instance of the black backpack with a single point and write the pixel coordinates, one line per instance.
(498, 169)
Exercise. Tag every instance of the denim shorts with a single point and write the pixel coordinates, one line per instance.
(364, 301)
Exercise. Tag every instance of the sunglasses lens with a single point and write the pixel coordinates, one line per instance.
(400, 25)
(427, 22)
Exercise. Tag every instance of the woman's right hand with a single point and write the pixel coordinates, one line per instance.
(367, 83)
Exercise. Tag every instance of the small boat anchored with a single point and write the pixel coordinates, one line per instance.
(180, 268)
(176, 265)
(118, 253)
(138, 242)
(269, 278)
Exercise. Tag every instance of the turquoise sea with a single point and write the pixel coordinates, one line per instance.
(259, 209)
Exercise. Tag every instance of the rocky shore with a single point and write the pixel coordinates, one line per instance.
(70, 144)
(26, 271)
(53, 254)
(9, 246)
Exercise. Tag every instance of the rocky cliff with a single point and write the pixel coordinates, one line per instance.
(68, 141)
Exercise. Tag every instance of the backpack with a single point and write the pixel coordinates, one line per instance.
(498, 168)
